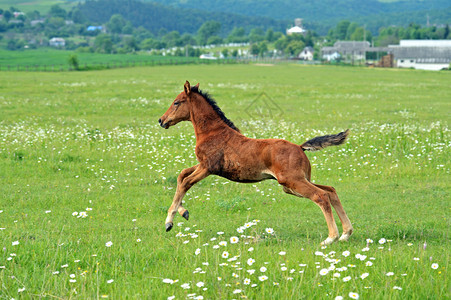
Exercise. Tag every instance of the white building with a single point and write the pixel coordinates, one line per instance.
(57, 42)
(431, 55)
(307, 53)
(297, 28)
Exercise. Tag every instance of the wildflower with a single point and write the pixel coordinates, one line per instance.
(397, 288)
(323, 272)
(269, 230)
(185, 286)
(319, 253)
(138, 240)
(425, 245)
(246, 281)
(434, 266)
(21, 290)
(56, 272)
(197, 252)
(263, 269)
(275, 283)
(353, 295)
(368, 264)
(382, 241)
(369, 241)
(409, 244)
(200, 284)
(109, 244)
(72, 275)
(235, 275)
(416, 258)
(15, 243)
(171, 297)
(337, 275)
(75, 213)
(220, 233)
(234, 240)
(48, 211)
(110, 281)
(364, 275)
(223, 243)
(225, 254)
(250, 261)
(237, 291)
(250, 249)
(240, 230)
(251, 271)
(283, 268)
(282, 253)
(263, 278)
(390, 274)
(167, 280)
(346, 253)
(365, 249)
(72, 280)
(339, 298)
(347, 278)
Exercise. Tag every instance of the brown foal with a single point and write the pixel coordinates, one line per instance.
(222, 150)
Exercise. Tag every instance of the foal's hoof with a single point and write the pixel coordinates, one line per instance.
(186, 215)
(329, 241)
(168, 227)
(345, 236)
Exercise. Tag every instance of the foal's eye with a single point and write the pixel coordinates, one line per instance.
(176, 103)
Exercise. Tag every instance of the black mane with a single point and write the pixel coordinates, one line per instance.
(215, 107)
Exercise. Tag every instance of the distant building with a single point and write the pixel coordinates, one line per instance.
(297, 28)
(349, 50)
(422, 54)
(208, 56)
(18, 13)
(307, 53)
(36, 22)
(57, 42)
(94, 28)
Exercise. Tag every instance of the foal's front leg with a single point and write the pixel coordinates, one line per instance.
(185, 172)
(186, 180)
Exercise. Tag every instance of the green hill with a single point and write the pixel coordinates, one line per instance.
(322, 14)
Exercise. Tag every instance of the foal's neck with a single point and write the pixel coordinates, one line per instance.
(205, 119)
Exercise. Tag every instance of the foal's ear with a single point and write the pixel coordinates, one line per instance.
(197, 85)
(187, 88)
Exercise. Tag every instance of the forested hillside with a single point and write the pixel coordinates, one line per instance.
(320, 15)
(154, 17)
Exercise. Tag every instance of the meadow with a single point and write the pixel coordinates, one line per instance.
(48, 59)
(87, 176)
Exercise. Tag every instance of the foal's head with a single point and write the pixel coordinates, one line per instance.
(179, 109)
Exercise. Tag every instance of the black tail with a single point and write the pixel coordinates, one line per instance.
(321, 142)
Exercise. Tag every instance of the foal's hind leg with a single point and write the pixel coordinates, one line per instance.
(336, 203)
(303, 188)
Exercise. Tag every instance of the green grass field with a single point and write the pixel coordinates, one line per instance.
(51, 59)
(87, 176)
(31, 5)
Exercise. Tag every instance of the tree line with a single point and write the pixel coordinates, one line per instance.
(118, 34)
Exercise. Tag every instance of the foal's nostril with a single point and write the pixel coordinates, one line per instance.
(159, 120)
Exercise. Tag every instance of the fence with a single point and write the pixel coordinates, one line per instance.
(134, 63)
(114, 65)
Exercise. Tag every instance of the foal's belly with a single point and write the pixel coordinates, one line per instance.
(245, 177)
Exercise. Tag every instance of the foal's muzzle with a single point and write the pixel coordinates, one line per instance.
(164, 125)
